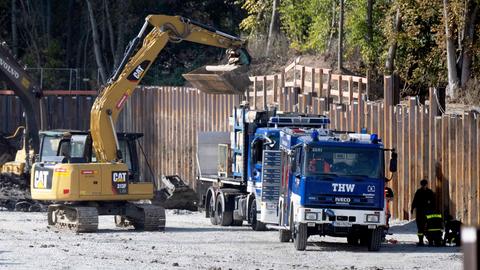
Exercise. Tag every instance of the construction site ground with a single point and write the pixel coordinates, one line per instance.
(191, 242)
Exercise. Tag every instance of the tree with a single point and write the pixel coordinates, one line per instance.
(96, 43)
(274, 29)
(392, 50)
(341, 15)
(452, 87)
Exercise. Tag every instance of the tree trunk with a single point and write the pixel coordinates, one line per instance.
(120, 13)
(111, 36)
(471, 18)
(392, 50)
(370, 21)
(332, 26)
(340, 37)
(452, 87)
(14, 28)
(96, 43)
(48, 20)
(274, 27)
(69, 49)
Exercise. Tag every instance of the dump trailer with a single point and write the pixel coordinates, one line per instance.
(290, 172)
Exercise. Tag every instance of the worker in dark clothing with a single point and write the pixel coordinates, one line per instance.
(434, 231)
(423, 202)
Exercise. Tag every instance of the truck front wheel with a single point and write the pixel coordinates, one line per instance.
(300, 236)
(375, 239)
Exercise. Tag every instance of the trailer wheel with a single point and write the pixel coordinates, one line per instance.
(224, 216)
(256, 225)
(213, 212)
(300, 236)
(375, 239)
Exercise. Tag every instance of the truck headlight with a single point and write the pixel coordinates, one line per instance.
(373, 218)
(310, 216)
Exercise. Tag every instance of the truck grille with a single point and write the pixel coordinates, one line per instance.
(342, 200)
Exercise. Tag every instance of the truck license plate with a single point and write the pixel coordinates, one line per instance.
(342, 224)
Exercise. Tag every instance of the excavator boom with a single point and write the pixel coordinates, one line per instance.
(128, 75)
(27, 91)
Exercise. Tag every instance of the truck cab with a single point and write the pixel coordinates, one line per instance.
(332, 184)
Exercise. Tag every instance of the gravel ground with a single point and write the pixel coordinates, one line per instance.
(191, 242)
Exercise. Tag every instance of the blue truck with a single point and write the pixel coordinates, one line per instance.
(289, 172)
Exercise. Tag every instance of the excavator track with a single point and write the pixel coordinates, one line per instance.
(152, 218)
(73, 218)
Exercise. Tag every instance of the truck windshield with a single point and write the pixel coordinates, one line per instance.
(343, 161)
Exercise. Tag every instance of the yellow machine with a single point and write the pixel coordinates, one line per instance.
(91, 174)
(16, 160)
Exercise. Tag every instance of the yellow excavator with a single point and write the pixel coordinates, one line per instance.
(88, 174)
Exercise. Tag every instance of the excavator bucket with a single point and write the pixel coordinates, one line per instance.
(223, 79)
(176, 194)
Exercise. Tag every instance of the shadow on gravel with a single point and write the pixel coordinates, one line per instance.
(176, 229)
(386, 248)
(407, 228)
(207, 229)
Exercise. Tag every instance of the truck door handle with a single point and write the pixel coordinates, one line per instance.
(95, 182)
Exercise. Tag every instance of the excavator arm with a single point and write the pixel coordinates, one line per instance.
(135, 64)
(27, 91)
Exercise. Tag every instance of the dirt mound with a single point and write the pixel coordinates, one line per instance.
(15, 195)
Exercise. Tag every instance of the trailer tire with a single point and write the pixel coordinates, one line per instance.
(224, 215)
(254, 223)
(212, 210)
(375, 239)
(300, 236)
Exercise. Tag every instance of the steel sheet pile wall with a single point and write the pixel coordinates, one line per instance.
(442, 148)
(170, 118)
(63, 112)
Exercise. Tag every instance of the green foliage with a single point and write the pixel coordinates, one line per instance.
(258, 14)
(420, 57)
(357, 29)
(307, 23)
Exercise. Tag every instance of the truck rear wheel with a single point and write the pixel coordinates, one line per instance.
(300, 236)
(256, 224)
(375, 239)
(224, 215)
(213, 214)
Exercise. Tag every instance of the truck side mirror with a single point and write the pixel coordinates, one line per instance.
(393, 162)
